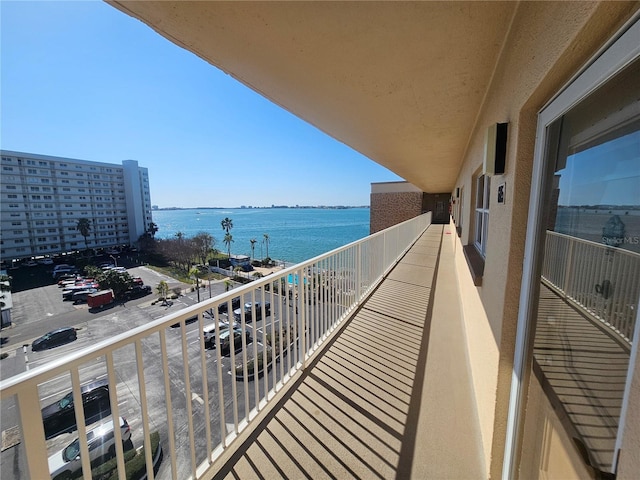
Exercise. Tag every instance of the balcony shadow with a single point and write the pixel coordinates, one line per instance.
(354, 412)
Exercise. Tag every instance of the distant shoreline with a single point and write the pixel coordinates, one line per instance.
(275, 207)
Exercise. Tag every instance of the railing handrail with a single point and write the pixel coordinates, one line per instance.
(324, 295)
(11, 385)
(592, 243)
(583, 272)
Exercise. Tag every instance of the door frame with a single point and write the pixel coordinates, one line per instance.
(621, 51)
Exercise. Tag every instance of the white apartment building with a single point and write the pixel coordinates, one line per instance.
(43, 197)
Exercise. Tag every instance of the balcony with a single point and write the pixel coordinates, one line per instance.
(364, 389)
(374, 382)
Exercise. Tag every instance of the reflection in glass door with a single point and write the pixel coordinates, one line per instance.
(589, 287)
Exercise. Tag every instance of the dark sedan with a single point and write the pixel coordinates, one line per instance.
(138, 291)
(223, 307)
(54, 339)
(60, 417)
(225, 340)
(248, 311)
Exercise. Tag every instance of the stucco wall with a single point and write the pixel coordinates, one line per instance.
(388, 209)
(546, 46)
(629, 461)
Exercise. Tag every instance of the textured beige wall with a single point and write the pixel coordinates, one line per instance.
(388, 209)
(629, 462)
(546, 46)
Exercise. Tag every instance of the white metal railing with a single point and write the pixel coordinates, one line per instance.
(199, 399)
(603, 280)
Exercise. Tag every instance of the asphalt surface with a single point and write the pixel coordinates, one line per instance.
(40, 310)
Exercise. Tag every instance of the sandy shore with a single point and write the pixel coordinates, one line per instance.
(268, 270)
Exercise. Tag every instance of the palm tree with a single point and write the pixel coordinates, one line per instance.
(163, 290)
(253, 247)
(266, 242)
(227, 224)
(228, 238)
(84, 227)
(153, 229)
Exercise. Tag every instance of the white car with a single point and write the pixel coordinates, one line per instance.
(67, 464)
(45, 261)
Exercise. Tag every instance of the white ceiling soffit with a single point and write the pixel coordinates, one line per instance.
(400, 82)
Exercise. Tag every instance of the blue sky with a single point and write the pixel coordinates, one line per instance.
(80, 79)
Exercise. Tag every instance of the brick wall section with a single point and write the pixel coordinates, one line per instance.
(388, 209)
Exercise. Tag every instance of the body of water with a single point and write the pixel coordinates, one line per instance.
(295, 235)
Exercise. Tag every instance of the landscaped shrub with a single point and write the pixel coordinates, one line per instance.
(135, 463)
(275, 342)
(251, 364)
(107, 468)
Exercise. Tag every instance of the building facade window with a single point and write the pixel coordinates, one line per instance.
(483, 190)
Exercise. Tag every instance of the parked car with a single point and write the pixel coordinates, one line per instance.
(225, 342)
(68, 291)
(100, 299)
(54, 339)
(138, 291)
(60, 417)
(209, 334)
(31, 263)
(81, 295)
(65, 277)
(45, 261)
(67, 464)
(64, 271)
(187, 321)
(248, 311)
(235, 303)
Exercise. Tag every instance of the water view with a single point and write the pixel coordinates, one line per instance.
(295, 234)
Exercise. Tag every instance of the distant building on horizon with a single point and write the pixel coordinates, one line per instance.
(43, 197)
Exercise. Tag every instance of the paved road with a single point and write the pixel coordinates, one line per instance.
(51, 312)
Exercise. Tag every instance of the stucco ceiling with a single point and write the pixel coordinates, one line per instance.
(400, 82)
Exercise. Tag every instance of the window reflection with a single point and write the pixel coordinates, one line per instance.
(598, 194)
(590, 283)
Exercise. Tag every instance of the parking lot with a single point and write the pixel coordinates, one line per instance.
(42, 309)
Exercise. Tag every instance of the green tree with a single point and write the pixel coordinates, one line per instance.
(203, 244)
(227, 224)
(227, 285)
(84, 227)
(228, 239)
(253, 247)
(119, 282)
(153, 229)
(163, 290)
(266, 242)
(92, 271)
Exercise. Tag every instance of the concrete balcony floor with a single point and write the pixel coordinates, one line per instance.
(389, 396)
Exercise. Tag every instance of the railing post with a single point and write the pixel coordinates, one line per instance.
(358, 273)
(302, 307)
(568, 271)
(35, 448)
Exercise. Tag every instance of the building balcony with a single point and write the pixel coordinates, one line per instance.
(375, 381)
(374, 349)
